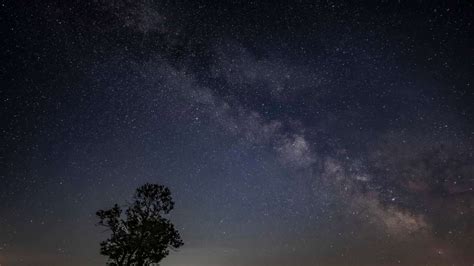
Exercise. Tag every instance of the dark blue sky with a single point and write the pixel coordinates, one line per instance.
(305, 133)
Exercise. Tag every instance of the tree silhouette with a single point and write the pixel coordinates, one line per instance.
(142, 236)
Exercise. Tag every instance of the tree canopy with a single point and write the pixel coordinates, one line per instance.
(140, 235)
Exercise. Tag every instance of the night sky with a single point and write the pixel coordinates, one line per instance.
(290, 133)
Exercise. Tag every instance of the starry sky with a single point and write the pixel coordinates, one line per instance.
(290, 133)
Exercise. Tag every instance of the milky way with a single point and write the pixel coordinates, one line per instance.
(305, 133)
